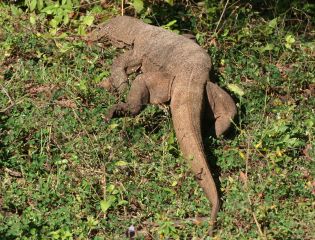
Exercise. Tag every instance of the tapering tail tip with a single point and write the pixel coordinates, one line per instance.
(211, 229)
(213, 220)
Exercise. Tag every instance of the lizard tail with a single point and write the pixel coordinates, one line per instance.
(186, 108)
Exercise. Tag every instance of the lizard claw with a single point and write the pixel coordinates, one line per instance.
(106, 84)
(118, 110)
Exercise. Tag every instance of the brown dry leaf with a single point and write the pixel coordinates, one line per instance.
(213, 42)
(284, 69)
(306, 150)
(66, 103)
(13, 173)
(243, 177)
(104, 84)
(47, 88)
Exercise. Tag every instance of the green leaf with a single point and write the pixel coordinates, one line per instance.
(53, 23)
(15, 11)
(32, 19)
(170, 2)
(273, 23)
(113, 126)
(169, 24)
(66, 19)
(69, 3)
(101, 76)
(121, 163)
(138, 5)
(106, 204)
(32, 5)
(40, 4)
(147, 20)
(122, 202)
(289, 39)
(236, 89)
(268, 47)
(51, 9)
(111, 188)
(81, 30)
(88, 20)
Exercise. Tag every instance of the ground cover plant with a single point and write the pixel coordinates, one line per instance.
(65, 174)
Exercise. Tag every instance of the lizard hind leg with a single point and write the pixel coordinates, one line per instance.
(137, 98)
(151, 87)
(222, 106)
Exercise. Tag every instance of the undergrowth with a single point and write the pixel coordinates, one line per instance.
(65, 174)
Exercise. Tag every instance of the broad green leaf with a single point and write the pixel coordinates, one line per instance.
(138, 5)
(15, 11)
(66, 19)
(81, 30)
(236, 89)
(273, 23)
(88, 20)
(174, 183)
(170, 2)
(290, 39)
(91, 221)
(33, 5)
(32, 19)
(169, 24)
(113, 126)
(111, 188)
(121, 163)
(40, 4)
(268, 47)
(69, 3)
(53, 23)
(122, 202)
(51, 9)
(101, 76)
(309, 123)
(147, 20)
(171, 138)
(106, 204)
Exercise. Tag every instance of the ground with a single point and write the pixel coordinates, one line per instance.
(66, 174)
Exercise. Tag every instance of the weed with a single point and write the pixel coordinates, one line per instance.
(65, 174)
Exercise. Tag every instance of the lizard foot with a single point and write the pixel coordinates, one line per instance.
(118, 110)
(106, 84)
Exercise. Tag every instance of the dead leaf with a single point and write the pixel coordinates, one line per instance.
(213, 42)
(66, 103)
(47, 88)
(306, 150)
(243, 178)
(13, 173)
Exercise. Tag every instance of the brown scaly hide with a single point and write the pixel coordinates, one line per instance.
(173, 69)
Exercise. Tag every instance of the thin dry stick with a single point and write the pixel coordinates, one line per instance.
(122, 7)
(87, 4)
(7, 94)
(256, 221)
(216, 28)
(248, 198)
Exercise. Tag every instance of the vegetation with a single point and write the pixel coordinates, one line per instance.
(65, 174)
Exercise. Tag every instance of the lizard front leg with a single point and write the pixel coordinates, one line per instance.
(152, 87)
(122, 65)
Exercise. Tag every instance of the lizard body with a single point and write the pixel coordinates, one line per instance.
(174, 69)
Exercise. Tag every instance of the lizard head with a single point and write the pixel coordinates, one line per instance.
(119, 31)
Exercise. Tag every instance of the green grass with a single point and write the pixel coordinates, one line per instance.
(65, 174)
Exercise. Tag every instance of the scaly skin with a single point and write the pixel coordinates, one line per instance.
(176, 70)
